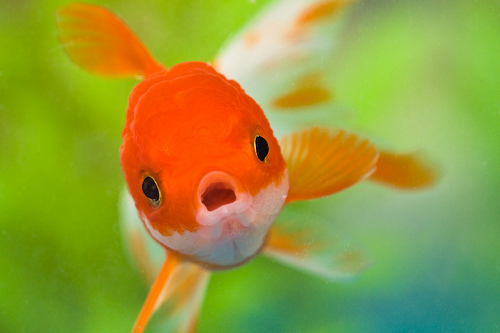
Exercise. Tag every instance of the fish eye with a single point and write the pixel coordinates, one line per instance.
(150, 190)
(261, 147)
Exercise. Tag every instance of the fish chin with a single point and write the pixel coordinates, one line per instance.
(232, 233)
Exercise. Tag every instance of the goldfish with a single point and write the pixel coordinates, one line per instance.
(205, 173)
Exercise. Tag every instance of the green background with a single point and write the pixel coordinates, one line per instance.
(411, 75)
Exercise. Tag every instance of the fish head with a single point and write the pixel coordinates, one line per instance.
(202, 164)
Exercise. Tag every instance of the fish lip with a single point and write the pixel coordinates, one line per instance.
(221, 180)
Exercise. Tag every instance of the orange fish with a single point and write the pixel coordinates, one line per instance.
(206, 173)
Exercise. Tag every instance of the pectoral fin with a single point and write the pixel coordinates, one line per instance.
(404, 171)
(101, 43)
(322, 162)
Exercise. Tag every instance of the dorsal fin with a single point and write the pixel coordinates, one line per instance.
(101, 43)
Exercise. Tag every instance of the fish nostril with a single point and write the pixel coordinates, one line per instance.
(217, 195)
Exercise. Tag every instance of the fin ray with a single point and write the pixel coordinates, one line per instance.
(321, 162)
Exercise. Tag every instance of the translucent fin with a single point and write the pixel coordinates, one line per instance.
(404, 171)
(178, 304)
(144, 252)
(154, 296)
(290, 40)
(182, 299)
(99, 42)
(315, 253)
(308, 91)
(321, 162)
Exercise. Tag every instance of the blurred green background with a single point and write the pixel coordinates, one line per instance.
(415, 74)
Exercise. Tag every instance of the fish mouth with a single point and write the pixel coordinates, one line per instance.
(220, 196)
(216, 195)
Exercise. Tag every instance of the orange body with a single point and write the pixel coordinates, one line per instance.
(181, 125)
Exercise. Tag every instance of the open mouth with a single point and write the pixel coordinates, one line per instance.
(220, 196)
(217, 195)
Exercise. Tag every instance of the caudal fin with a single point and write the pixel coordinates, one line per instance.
(101, 43)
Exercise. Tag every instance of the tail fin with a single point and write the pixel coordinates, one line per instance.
(99, 42)
(404, 171)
